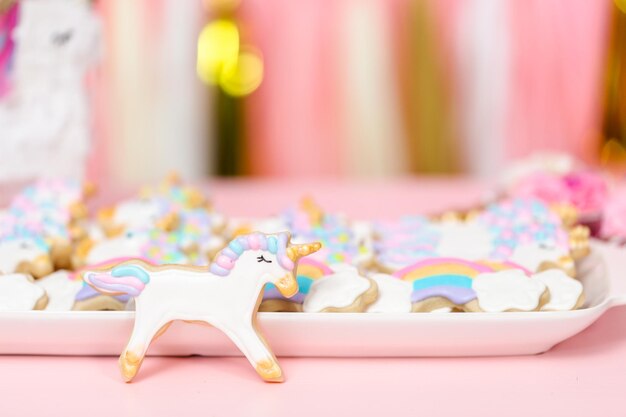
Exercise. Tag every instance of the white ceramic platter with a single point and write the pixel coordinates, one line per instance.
(603, 274)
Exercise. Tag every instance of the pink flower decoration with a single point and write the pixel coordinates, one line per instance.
(588, 191)
(585, 190)
(614, 220)
(544, 186)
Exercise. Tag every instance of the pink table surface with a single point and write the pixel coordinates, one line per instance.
(583, 376)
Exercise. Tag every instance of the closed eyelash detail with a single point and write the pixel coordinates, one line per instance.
(262, 259)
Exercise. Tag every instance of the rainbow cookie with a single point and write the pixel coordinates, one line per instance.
(470, 286)
(441, 283)
(307, 272)
(344, 291)
(18, 292)
(225, 295)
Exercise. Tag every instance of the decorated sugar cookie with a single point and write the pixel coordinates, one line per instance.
(308, 271)
(18, 292)
(508, 290)
(529, 234)
(457, 284)
(163, 206)
(441, 282)
(343, 241)
(226, 295)
(566, 293)
(525, 232)
(394, 295)
(155, 246)
(341, 292)
(26, 254)
(137, 214)
(61, 288)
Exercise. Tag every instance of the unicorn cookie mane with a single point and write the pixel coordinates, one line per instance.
(277, 245)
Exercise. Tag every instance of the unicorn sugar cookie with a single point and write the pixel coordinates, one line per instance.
(226, 295)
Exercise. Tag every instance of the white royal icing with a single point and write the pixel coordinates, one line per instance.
(564, 290)
(127, 245)
(394, 295)
(532, 255)
(343, 267)
(18, 292)
(15, 251)
(336, 290)
(61, 290)
(137, 214)
(464, 240)
(507, 290)
(270, 225)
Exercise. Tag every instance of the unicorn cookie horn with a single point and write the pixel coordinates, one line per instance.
(226, 296)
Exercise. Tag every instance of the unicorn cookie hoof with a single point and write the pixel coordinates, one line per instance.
(269, 370)
(129, 365)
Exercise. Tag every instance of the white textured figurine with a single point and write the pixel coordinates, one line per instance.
(44, 121)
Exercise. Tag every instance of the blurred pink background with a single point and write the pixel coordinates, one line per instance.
(348, 88)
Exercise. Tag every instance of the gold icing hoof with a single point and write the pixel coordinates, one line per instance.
(129, 365)
(270, 371)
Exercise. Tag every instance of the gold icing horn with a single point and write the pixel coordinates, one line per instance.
(295, 252)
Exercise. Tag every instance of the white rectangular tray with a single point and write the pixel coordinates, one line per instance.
(603, 274)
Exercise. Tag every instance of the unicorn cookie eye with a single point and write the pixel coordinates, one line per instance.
(24, 245)
(262, 259)
(61, 38)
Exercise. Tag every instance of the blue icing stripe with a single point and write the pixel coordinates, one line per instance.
(131, 270)
(304, 283)
(444, 279)
(236, 247)
(272, 244)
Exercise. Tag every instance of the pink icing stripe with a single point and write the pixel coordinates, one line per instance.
(437, 261)
(516, 266)
(108, 279)
(225, 262)
(253, 241)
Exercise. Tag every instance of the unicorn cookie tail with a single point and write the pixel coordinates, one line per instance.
(123, 279)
